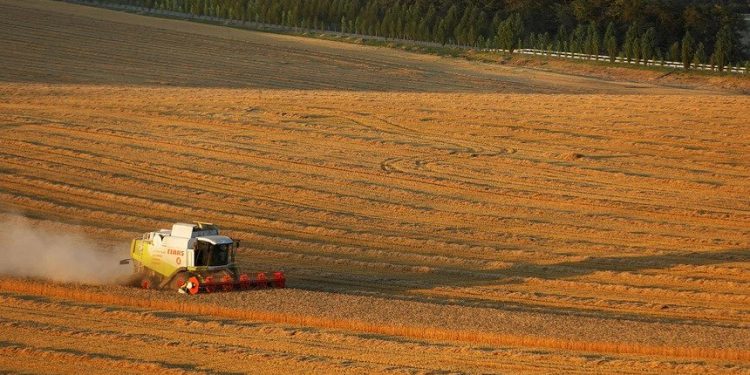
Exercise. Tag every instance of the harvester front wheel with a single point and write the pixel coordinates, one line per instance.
(178, 281)
(193, 285)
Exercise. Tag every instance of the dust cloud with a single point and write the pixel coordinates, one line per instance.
(28, 249)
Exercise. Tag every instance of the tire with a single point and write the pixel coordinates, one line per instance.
(178, 281)
(148, 282)
(194, 285)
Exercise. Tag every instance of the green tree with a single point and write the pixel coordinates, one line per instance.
(674, 52)
(648, 45)
(461, 31)
(544, 41)
(723, 47)
(593, 41)
(510, 32)
(577, 39)
(637, 53)
(450, 22)
(687, 50)
(630, 44)
(440, 34)
(427, 24)
(610, 42)
(699, 57)
(562, 38)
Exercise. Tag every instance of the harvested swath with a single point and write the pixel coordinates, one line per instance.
(41, 328)
(430, 333)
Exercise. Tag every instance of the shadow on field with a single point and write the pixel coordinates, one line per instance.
(402, 286)
(452, 277)
(625, 264)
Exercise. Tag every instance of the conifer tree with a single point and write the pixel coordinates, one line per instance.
(699, 57)
(723, 47)
(577, 39)
(610, 42)
(629, 46)
(674, 52)
(510, 32)
(648, 45)
(637, 53)
(687, 50)
(543, 41)
(562, 38)
(593, 42)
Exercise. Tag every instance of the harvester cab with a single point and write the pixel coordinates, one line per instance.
(213, 251)
(193, 258)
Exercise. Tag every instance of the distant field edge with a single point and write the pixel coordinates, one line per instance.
(562, 63)
(189, 305)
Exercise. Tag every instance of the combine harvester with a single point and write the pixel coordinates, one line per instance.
(193, 258)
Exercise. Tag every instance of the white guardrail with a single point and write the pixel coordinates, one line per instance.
(524, 51)
(622, 60)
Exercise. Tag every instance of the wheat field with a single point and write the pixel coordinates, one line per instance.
(431, 214)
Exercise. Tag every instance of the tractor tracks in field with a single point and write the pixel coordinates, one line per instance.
(558, 219)
(386, 165)
(198, 181)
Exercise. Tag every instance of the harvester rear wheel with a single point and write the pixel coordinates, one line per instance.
(148, 282)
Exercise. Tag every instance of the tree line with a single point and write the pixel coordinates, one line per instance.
(690, 31)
